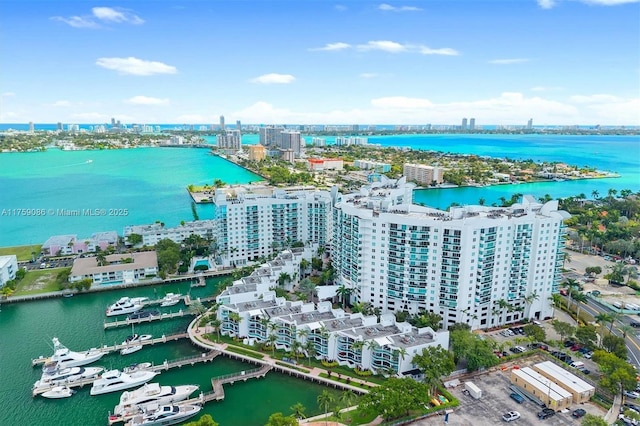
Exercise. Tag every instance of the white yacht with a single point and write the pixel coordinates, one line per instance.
(67, 375)
(171, 299)
(165, 415)
(116, 380)
(126, 305)
(58, 392)
(66, 358)
(152, 393)
(134, 343)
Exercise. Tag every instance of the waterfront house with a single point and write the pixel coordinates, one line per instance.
(8, 268)
(117, 269)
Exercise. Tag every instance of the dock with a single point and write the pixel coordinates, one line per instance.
(200, 283)
(217, 394)
(204, 357)
(122, 323)
(108, 349)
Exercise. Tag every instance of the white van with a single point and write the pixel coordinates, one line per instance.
(577, 364)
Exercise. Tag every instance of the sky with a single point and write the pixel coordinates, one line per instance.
(502, 62)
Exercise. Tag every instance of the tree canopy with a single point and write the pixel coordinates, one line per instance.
(395, 398)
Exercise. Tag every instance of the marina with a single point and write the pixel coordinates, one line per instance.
(163, 316)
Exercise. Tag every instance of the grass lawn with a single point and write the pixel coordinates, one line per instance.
(22, 252)
(40, 281)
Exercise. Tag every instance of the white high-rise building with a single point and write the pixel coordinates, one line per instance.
(230, 139)
(291, 140)
(423, 174)
(484, 266)
(254, 221)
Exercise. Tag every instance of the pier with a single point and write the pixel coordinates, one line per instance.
(204, 357)
(121, 323)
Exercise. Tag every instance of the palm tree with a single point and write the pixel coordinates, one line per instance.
(579, 298)
(346, 398)
(216, 323)
(626, 329)
(310, 349)
(304, 266)
(325, 399)
(603, 318)
(283, 279)
(308, 288)
(298, 410)
(615, 316)
(571, 284)
(344, 293)
(595, 194)
(271, 339)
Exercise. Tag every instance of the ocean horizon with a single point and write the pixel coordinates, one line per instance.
(149, 184)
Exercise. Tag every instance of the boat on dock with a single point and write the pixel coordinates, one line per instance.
(67, 375)
(134, 343)
(151, 393)
(58, 392)
(126, 305)
(67, 358)
(165, 415)
(116, 380)
(171, 299)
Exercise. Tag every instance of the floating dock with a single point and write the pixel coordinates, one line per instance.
(122, 323)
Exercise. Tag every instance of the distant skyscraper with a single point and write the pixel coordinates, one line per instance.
(60, 126)
(464, 124)
(31, 127)
(113, 122)
(222, 122)
(530, 124)
(238, 125)
(291, 140)
(472, 124)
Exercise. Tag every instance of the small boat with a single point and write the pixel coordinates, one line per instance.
(144, 314)
(66, 358)
(58, 392)
(137, 367)
(164, 415)
(116, 380)
(133, 343)
(152, 393)
(171, 299)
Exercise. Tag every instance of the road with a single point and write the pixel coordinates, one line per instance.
(594, 308)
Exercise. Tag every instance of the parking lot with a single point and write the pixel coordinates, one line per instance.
(495, 402)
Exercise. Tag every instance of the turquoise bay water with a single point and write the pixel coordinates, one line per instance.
(26, 330)
(150, 183)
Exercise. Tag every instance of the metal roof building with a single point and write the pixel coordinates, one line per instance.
(581, 390)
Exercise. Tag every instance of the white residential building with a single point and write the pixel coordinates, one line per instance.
(65, 245)
(8, 268)
(250, 310)
(484, 266)
(423, 174)
(230, 140)
(119, 268)
(155, 232)
(255, 221)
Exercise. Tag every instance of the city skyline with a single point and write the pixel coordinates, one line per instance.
(571, 62)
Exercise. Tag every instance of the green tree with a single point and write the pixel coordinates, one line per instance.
(434, 362)
(298, 410)
(205, 420)
(535, 332)
(618, 375)
(134, 239)
(325, 399)
(616, 345)
(593, 420)
(564, 329)
(586, 336)
(344, 293)
(279, 419)
(395, 398)
(308, 288)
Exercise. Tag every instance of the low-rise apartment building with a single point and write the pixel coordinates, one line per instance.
(128, 268)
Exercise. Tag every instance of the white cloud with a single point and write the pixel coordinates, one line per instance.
(333, 46)
(545, 88)
(384, 45)
(510, 61)
(193, 119)
(273, 78)
(135, 66)
(389, 8)
(63, 104)
(146, 100)
(77, 21)
(109, 14)
(368, 75)
(8, 94)
(508, 108)
(401, 102)
(446, 51)
(546, 4)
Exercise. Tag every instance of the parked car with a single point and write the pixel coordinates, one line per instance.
(634, 324)
(546, 413)
(511, 416)
(588, 355)
(579, 413)
(517, 398)
(584, 370)
(584, 350)
(568, 343)
(631, 394)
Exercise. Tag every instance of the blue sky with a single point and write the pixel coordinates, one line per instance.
(318, 61)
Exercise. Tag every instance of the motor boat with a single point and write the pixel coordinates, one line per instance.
(144, 314)
(126, 305)
(134, 343)
(152, 393)
(137, 367)
(58, 392)
(116, 380)
(165, 415)
(67, 375)
(171, 299)
(66, 358)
